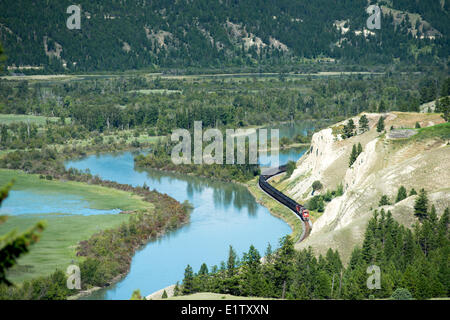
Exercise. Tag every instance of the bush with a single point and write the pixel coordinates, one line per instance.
(401, 294)
(317, 185)
(384, 201)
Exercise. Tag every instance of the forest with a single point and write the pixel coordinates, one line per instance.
(413, 265)
(156, 106)
(187, 36)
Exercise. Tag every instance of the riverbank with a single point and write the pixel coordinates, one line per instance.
(276, 209)
(57, 247)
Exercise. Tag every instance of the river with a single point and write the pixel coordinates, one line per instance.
(224, 214)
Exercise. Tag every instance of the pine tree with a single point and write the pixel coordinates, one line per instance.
(176, 290)
(412, 192)
(380, 124)
(353, 156)
(382, 107)
(384, 201)
(360, 150)
(188, 281)
(232, 261)
(203, 269)
(401, 194)
(363, 123)
(421, 205)
(348, 129)
(164, 295)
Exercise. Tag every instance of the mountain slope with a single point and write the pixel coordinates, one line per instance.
(420, 161)
(118, 35)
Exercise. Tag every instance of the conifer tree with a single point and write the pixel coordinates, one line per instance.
(353, 156)
(188, 281)
(384, 201)
(380, 124)
(382, 107)
(401, 194)
(231, 262)
(421, 205)
(359, 148)
(349, 128)
(363, 123)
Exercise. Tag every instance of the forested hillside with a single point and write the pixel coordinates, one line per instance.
(259, 34)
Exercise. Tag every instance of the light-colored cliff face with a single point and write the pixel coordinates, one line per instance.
(322, 154)
(384, 165)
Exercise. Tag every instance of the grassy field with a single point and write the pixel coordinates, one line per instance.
(56, 248)
(98, 197)
(214, 296)
(440, 130)
(11, 118)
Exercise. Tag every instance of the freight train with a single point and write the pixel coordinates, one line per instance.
(300, 210)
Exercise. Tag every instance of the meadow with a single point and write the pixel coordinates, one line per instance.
(57, 247)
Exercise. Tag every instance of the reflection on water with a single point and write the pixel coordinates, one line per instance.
(224, 214)
(34, 202)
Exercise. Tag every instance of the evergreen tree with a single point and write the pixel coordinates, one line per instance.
(188, 281)
(360, 150)
(380, 124)
(2, 59)
(232, 259)
(203, 269)
(363, 123)
(349, 129)
(353, 156)
(401, 194)
(412, 192)
(164, 295)
(421, 205)
(382, 107)
(176, 290)
(384, 201)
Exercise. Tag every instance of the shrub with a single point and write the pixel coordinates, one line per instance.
(317, 185)
(384, 200)
(401, 294)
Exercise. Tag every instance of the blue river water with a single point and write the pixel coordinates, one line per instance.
(224, 214)
(18, 203)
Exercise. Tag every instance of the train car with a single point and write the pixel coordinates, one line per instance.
(305, 214)
(288, 202)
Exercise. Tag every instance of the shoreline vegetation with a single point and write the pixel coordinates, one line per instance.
(97, 114)
(106, 256)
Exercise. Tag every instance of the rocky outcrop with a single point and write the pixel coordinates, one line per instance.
(386, 163)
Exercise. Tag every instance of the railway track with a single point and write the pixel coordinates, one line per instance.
(299, 210)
